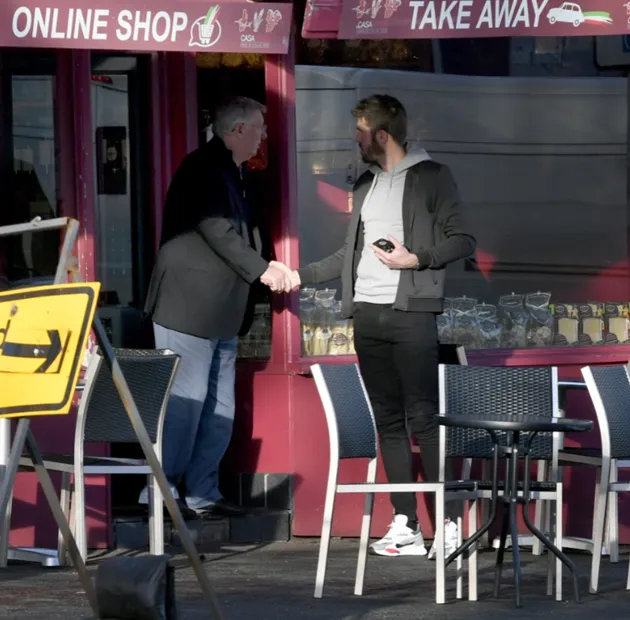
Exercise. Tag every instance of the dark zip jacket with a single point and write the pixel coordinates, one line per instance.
(435, 230)
(210, 251)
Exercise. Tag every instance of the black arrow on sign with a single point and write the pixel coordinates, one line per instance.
(48, 352)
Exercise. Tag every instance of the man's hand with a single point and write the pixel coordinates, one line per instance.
(276, 278)
(399, 258)
(294, 276)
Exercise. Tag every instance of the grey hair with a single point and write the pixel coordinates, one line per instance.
(236, 111)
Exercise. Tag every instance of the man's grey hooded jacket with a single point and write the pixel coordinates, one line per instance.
(435, 228)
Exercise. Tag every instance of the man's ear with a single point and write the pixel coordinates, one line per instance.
(382, 137)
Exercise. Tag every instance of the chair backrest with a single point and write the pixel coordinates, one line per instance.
(609, 388)
(478, 390)
(149, 374)
(351, 426)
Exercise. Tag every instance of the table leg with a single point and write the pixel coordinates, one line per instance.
(498, 568)
(516, 554)
(559, 554)
(538, 534)
(546, 541)
(510, 522)
(493, 511)
(513, 499)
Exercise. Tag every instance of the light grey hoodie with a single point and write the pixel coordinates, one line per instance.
(381, 215)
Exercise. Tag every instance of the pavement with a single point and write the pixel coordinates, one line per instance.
(275, 582)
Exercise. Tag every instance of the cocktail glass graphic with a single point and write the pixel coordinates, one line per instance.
(391, 6)
(206, 28)
(273, 19)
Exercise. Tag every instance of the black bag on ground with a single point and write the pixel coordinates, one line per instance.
(136, 588)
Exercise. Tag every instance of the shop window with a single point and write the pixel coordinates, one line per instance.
(542, 168)
(29, 174)
(410, 54)
(562, 56)
(475, 56)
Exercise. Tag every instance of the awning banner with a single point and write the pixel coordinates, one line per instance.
(156, 25)
(443, 19)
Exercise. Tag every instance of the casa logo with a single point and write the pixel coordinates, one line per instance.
(371, 10)
(364, 26)
(248, 27)
(206, 31)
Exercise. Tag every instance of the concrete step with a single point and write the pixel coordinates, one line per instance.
(132, 531)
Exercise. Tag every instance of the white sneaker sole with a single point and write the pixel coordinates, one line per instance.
(392, 552)
(447, 552)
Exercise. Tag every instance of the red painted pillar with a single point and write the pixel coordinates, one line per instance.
(160, 147)
(174, 122)
(282, 150)
(74, 79)
(182, 88)
(64, 135)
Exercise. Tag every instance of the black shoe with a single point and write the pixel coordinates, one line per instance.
(222, 508)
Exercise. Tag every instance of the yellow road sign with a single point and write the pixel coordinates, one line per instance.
(43, 334)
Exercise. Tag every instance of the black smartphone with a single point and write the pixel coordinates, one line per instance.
(384, 244)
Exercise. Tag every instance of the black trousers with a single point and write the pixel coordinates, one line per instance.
(398, 358)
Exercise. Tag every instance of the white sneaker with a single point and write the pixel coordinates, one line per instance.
(400, 540)
(450, 539)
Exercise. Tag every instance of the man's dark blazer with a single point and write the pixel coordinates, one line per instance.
(210, 250)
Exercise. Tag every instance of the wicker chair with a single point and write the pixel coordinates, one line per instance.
(609, 388)
(474, 390)
(103, 418)
(352, 435)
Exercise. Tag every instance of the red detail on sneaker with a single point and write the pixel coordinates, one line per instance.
(392, 551)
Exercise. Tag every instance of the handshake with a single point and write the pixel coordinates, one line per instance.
(280, 278)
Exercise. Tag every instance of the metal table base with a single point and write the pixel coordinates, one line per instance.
(511, 500)
(568, 542)
(46, 557)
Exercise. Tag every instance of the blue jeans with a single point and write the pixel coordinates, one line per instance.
(200, 413)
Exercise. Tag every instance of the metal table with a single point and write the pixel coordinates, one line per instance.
(571, 542)
(513, 426)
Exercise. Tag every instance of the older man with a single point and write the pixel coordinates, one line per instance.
(210, 255)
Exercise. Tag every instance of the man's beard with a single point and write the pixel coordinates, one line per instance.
(372, 153)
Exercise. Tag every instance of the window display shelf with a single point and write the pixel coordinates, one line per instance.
(551, 356)
(543, 356)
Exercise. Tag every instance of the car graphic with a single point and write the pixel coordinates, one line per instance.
(567, 12)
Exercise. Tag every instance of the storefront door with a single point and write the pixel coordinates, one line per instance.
(124, 229)
(120, 123)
